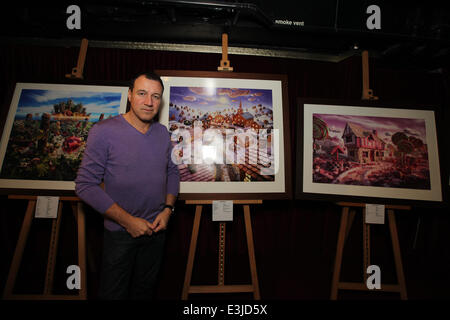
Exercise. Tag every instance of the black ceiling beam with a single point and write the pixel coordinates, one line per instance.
(250, 8)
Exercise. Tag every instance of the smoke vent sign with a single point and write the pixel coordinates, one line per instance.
(286, 22)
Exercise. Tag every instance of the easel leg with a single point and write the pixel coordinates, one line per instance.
(339, 252)
(366, 246)
(17, 258)
(221, 271)
(397, 255)
(82, 250)
(251, 252)
(53, 248)
(351, 218)
(191, 256)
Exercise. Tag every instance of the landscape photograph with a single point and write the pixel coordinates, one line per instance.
(242, 111)
(49, 132)
(370, 151)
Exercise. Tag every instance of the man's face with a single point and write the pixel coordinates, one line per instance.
(145, 98)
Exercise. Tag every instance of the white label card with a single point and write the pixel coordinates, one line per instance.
(222, 210)
(46, 207)
(375, 213)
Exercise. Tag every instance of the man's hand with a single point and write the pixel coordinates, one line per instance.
(162, 220)
(137, 227)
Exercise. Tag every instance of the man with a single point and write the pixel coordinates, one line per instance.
(130, 153)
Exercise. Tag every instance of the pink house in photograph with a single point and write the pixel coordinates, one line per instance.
(363, 146)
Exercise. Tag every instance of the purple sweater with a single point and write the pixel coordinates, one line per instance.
(137, 169)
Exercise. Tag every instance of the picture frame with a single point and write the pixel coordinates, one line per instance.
(217, 102)
(45, 133)
(367, 151)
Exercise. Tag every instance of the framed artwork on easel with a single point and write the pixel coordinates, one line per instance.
(46, 129)
(371, 151)
(230, 133)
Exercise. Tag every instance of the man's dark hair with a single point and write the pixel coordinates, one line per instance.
(149, 76)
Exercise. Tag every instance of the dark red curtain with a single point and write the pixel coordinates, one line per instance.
(295, 241)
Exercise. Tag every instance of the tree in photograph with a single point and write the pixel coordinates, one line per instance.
(417, 143)
(320, 131)
(405, 145)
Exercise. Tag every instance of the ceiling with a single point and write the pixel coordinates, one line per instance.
(411, 34)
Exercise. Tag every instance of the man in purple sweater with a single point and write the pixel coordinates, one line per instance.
(130, 153)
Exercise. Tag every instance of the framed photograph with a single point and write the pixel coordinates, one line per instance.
(368, 151)
(46, 129)
(230, 134)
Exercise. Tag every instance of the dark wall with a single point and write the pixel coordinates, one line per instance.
(295, 241)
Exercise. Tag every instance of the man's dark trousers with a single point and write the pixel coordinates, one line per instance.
(130, 265)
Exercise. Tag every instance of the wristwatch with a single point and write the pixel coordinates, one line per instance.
(172, 208)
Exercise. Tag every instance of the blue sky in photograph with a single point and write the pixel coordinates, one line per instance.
(37, 102)
(212, 99)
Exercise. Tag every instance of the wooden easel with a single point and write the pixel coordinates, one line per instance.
(221, 287)
(78, 211)
(77, 72)
(347, 220)
(367, 93)
(225, 63)
(346, 223)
